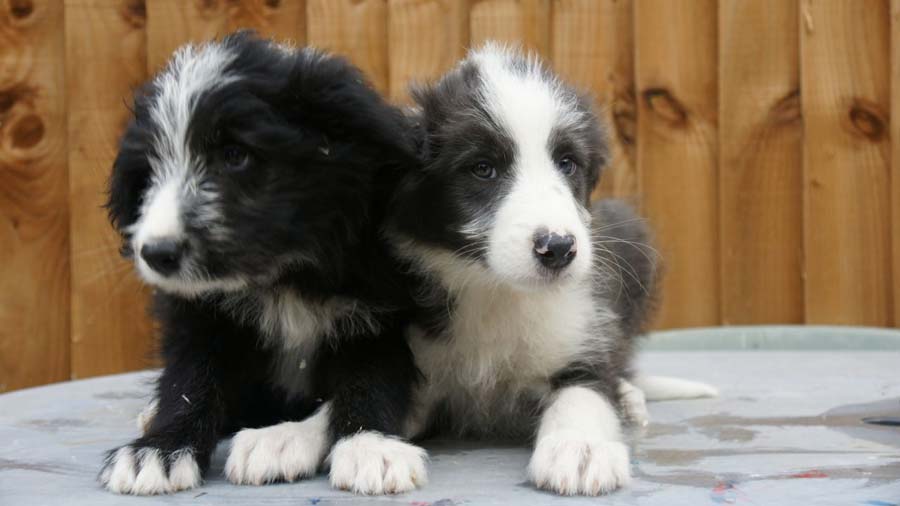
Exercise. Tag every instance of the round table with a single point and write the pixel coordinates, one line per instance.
(787, 429)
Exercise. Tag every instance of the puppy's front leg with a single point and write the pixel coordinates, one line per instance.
(175, 448)
(579, 448)
(370, 404)
(287, 451)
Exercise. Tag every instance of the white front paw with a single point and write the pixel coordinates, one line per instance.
(568, 463)
(284, 452)
(634, 404)
(143, 471)
(370, 463)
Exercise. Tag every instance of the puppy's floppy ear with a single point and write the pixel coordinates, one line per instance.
(131, 171)
(596, 137)
(439, 100)
(129, 178)
(428, 115)
(335, 95)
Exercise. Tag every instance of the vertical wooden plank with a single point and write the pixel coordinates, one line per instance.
(895, 144)
(355, 28)
(34, 235)
(525, 22)
(283, 20)
(676, 73)
(110, 331)
(593, 48)
(172, 23)
(761, 162)
(426, 37)
(845, 88)
(623, 177)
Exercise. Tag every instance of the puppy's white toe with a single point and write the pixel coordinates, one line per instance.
(184, 473)
(284, 452)
(143, 471)
(571, 464)
(119, 471)
(371, 463)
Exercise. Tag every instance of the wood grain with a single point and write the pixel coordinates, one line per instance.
(895, 158)
(845, 48)
(426, 38)
(356, 29)
(605, 67)
(283, 20)
(34, 228)
(171, 23)
(110, 330)
(520, 22)
(676, 72)
(760, 162)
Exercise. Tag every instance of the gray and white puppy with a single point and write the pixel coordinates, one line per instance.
(530, 297)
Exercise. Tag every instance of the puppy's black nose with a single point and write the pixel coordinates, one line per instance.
(554, 251)
(164, 256)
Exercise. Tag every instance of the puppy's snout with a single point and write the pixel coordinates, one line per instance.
(164, 256)
(554, 251)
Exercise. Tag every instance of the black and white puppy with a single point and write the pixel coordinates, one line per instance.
(530, 298)
(249, 187)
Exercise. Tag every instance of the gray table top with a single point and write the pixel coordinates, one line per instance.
(786, 430)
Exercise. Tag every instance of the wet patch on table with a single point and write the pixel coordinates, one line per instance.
(40, 467)
(874, 475)
(848, 419)
(729, 433)
(54, 424)
(128, 394)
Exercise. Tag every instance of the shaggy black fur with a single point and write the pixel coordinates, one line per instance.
(291, 158)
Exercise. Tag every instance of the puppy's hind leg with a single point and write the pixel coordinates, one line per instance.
(633, 404)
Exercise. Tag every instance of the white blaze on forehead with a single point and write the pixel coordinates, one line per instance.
(523, 100)
(192, 72)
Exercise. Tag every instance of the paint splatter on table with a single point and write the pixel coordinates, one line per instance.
(787, 430)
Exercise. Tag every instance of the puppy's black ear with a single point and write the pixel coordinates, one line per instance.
(131, 169)
(436, 102)
(336, 96)
(595, 136)
(129, 179)
(427, 116)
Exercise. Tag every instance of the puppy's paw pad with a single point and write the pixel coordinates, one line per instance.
(571, 465)
(370, 463)
(149, 471)
(283, 452)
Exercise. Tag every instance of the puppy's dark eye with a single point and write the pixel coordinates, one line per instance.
(567, 166)
(235, 158)
(484, 170)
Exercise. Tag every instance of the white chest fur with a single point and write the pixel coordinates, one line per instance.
(503, 343)
(295, 327)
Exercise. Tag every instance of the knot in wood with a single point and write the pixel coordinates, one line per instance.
(661, 101)
(27, 132)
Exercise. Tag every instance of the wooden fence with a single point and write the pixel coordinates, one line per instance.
(756, 133)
